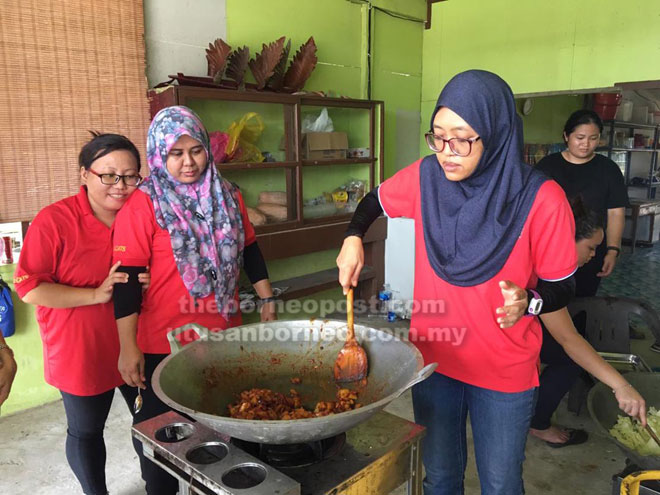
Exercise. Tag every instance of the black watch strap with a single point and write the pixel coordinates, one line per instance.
(614, 248)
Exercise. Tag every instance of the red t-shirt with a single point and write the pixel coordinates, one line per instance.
(167, 304)
(457, 326)
(66, 244)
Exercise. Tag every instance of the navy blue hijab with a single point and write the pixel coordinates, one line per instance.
(471, 226)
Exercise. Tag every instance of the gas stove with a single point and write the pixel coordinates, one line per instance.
(377, 456)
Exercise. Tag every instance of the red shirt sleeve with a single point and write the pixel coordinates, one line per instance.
(398, 194)
(134, 229)
(552, 234)
(250, 235)
(40, 254)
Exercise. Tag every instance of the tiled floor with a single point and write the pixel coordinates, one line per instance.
(636, 275)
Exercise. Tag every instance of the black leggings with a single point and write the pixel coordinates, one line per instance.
(85, 447)
(158, 481)
(556, 380)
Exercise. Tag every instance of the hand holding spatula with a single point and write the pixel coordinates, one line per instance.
(351, 364)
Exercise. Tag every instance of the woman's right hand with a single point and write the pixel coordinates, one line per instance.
(350, 262)
(131, 366)
(103, 293)
(631, 402)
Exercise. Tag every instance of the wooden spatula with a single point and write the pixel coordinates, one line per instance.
(351, 363)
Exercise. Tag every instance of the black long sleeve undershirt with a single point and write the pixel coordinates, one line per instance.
(367, 211)
(555, 295)
(254, 263)
(127, 298)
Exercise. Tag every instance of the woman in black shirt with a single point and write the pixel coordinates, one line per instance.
(581, 172)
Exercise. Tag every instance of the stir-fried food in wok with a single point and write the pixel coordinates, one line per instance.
(263, 403)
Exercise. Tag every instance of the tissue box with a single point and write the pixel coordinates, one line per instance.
(324, 145)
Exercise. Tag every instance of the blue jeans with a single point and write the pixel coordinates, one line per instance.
(500, 422)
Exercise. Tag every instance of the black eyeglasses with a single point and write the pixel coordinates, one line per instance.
(458, 146)
(112, 179)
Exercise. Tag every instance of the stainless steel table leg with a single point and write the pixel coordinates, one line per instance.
(415, 481)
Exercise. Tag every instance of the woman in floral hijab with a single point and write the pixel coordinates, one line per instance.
(191, 228)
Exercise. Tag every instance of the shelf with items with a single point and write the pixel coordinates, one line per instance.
(646, 150)
(628, 125)
(622, 146)
(346, 161)
(333, 192)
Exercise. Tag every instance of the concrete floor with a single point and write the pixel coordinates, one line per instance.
(32, 459)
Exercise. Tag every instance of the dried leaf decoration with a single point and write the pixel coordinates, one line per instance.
(276, 82)
(216, 56)
(238, 64)
(301, 67)
(263, 65)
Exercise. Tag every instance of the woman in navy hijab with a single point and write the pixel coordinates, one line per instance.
(484, 221)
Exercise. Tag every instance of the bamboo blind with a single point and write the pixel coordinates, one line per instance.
(67, 66)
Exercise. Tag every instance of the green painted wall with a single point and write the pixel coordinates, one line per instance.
(546, 121)
(340, 30)
(542, 46)
(29, 388)
(397, 80)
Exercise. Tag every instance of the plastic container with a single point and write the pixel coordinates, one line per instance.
(625, 111)
(605, 112)
(606, 104)
(640, 114)
(384, 298)
(607, 99)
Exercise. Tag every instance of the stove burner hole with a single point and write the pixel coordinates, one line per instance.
(244, 476)
(174, 432)
(207, 453)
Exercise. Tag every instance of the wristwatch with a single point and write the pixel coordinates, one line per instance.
(614, 248)
(535, 303)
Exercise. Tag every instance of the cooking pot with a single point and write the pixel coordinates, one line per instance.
(202, 378)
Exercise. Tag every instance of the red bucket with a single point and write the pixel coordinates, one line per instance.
(607, 99)
(605, 112)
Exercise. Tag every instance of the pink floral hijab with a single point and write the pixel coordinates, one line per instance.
(203, 219)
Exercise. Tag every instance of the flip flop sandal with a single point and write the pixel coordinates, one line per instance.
(575, 437)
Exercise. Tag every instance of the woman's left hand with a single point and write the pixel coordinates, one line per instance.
(515, 304)
(631, 402)
(608, 264)
(268, 311)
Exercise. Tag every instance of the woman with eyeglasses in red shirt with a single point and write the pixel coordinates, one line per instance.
(65, 270)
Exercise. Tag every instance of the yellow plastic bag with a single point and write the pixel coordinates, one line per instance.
(243, 134)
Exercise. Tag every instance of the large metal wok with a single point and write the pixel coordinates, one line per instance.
(604, 410)
(203, 377)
